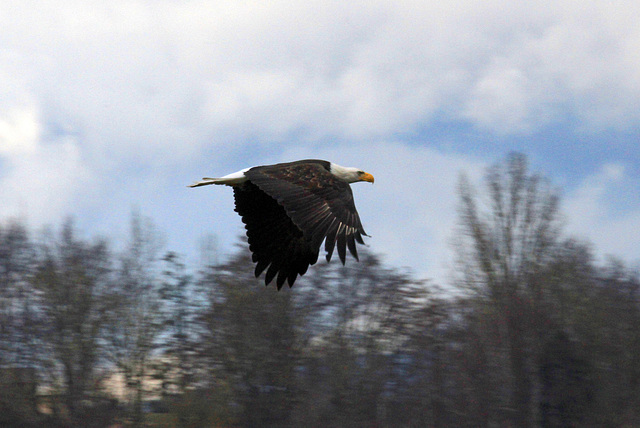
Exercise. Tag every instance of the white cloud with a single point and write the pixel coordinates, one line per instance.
(161, 77)
(19, 131)
(501, 100)
(40, 180)
(564, 59)
(593, 213)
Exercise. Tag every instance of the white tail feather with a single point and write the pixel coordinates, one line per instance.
(205, 181)
(230, 179)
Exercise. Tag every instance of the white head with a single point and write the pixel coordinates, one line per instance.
(350, 174)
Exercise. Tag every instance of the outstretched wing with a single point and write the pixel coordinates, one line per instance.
(318, 203)
(274, 240)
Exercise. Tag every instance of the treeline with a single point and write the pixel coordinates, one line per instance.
(532, 332)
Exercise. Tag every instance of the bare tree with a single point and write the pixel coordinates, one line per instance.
(251, 343)
(354, 325)
(17, 302)
(508, 242)
(181, 302)
(136, 321)
(20, 343)
(72, 278)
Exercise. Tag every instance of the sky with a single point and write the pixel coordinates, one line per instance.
(112, 107)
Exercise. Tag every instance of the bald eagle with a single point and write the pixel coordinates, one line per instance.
(288, 210)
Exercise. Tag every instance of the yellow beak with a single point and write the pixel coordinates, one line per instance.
(366, 177)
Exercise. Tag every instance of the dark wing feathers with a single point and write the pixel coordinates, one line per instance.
(313, 198)
(288, 210)
(276, 243)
